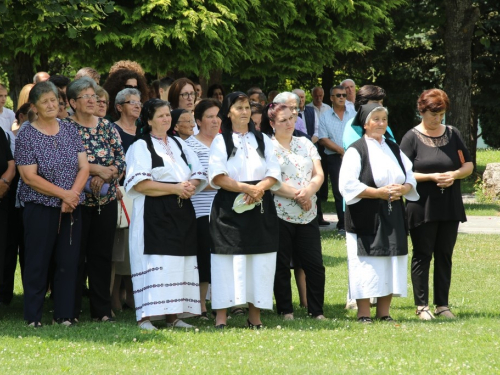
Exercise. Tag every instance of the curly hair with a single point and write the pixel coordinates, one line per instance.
(116, 82)
(128, 65)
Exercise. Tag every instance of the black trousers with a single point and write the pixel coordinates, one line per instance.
(4, 211)
(334, 164)
(304, 242)
(14, 237)
(98, 235)
(43, 237)
(438, 238)
(204, 246)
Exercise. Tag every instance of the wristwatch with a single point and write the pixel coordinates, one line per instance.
(5, 180)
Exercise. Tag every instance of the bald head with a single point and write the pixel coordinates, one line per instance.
(40, 77)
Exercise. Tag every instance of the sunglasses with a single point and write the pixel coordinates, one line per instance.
(340, 95)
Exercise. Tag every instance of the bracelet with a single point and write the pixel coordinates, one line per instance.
(5, 180)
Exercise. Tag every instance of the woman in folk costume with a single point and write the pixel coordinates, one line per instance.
(243, 220)
(162, 175)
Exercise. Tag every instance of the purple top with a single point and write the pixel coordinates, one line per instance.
(300, 125)
(103, 147)
(56, 157)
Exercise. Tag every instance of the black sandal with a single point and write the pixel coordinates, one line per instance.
(365, 320)
(253, 326)
(221, 326)
(238, 311)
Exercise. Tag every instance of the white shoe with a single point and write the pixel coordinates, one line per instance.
(179, 324)
(288, 316)
(147, 326)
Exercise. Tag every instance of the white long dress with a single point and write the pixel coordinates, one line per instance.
(241, 279)
(163, 284)
(374, 276)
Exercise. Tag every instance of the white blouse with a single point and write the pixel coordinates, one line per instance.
(296, 171)
(139, 165)
(385, 168)
(246, 164)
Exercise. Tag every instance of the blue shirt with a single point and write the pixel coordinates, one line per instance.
(332, 127)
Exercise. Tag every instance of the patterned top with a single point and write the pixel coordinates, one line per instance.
(104, 148)
(296, 171)
(202, 201)
(56, 157)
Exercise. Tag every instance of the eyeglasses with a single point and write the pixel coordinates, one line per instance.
(133, 102)
(186, 95)
(340, 95)
(293, 108)
(88, 97)
(102, 102)
(130, 87)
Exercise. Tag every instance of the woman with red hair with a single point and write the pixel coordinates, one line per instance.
(440, 160)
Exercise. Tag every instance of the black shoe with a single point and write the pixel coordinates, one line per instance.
(253, 326)
(221, 326)
(63, 322)
(323, 223)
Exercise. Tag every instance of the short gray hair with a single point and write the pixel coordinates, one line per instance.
(41, 88)
(347, 80)
(77, 86)
(377, 109)
(123, 95)
(283, 97)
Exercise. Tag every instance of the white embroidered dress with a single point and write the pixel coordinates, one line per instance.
(239, 279)
(162, 284)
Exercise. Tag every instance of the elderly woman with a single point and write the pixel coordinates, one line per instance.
(100, 211)
(295, 202)
(128, 105)
(440, 160)
(242, 167)
(182, 124)
(374, 176)
(54, 169)
(292, 101)
(124, 79)
(206, 117)
(102, 102)
(162, 174)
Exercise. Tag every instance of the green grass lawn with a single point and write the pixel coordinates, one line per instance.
(467, 345)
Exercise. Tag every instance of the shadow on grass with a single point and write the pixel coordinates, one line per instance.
(482, 206)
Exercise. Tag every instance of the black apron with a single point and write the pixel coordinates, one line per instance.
(390, 238)
(250, 232)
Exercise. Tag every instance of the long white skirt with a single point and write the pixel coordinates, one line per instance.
(241, 279)
(164, 285)
(375, 276)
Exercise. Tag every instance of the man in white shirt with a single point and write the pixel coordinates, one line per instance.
(318, 94)
(350, 89)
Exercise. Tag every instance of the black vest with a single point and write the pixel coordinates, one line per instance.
(363, 217)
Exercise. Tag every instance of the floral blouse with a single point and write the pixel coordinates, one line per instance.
(296, 171)
(103, 147)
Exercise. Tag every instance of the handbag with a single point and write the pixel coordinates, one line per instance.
(125, 206)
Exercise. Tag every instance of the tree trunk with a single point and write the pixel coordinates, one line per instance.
(461, 17)
(327, 83)
(23, 74)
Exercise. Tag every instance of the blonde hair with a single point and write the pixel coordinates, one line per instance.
(24, 95)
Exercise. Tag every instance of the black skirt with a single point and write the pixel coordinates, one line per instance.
(169, 226)
(251, 232)
(390, 238)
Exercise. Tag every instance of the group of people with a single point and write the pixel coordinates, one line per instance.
(224, 191)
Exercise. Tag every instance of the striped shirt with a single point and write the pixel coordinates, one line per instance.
(202, 201)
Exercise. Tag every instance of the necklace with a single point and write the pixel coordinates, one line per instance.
(46, 133)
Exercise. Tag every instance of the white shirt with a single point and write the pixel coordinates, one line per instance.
(385, 168)
(319, 111)
(7, 118)
(246, 164)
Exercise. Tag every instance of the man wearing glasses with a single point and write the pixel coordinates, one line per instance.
(331, 128)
